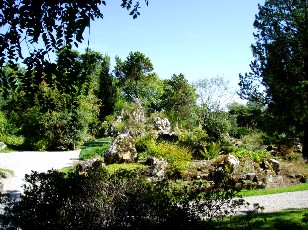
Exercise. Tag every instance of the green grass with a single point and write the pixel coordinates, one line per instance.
(284, 220)
(67, 170)
(259, 192)
(112, 168)
(92, 149)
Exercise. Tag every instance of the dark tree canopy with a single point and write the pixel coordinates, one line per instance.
(279, 71)
(56, 23)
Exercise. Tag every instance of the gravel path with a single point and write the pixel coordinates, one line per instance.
(281, 201)
(24, 162)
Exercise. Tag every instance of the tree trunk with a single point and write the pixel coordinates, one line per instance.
(305, 140)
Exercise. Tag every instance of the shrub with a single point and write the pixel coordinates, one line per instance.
(241, 153)
(123, 200)
(178, 157)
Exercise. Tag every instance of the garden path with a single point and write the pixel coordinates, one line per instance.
(22, 163)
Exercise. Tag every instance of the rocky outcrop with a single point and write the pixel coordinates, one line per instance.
(162, 125)
(157, 168)
(121, 150)
(229, 162)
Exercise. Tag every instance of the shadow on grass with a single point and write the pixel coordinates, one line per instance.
(291, 219)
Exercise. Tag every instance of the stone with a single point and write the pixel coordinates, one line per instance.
(82, 166)
(275, 165)
(232, 162)
(162, 125)
(122, 150)
(2, 146)
(157, 168)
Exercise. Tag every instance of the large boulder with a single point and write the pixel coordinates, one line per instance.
(275, 165)
(121, 150)
(229, 162)
(157, 168)
(232, 163)
(162, 125)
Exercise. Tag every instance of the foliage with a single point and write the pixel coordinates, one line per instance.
(179, 100)
(8, 132)
(54, 104)
(54, 25)
(215, 123)
(212, 150)
(257, 155)
(93, 152)
(134, 70)
(278, 76)
(178, 158)
(107, 92)
(114, 168)
(122, 200)
(215, 94)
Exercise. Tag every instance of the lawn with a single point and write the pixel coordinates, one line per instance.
(259, 192)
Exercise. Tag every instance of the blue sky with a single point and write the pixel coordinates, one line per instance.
(199, 38)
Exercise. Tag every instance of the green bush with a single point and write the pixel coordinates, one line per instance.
(257, 156)
(122, 200)
(178, 157)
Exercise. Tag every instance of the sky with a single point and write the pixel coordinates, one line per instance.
(199, 38)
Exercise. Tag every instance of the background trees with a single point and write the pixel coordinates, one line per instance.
(214, 95)
(278, 76)
(179, 100)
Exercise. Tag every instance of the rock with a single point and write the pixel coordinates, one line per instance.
(157, 168)
(248, 167)
(84, 165)
(275, 165)
(2, 146)
(162, 125)
(121, 150)
(168, 137)
(251, 176)
(304, 179)
(232, 162)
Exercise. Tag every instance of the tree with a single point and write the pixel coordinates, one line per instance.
(214, 95)
(179, 99)
(107, 92)
(132, 72)
(56, 23)
(278, 76)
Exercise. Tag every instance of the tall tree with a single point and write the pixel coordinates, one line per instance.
(179, 99)
(278, 76)
(107, 92)
(132, 72)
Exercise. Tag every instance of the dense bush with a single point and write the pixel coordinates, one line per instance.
(178, 157)
(122, 200)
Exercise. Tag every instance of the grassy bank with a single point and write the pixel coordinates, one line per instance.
(260, 192)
